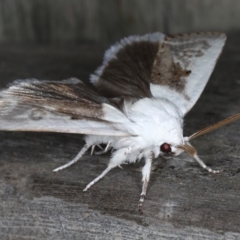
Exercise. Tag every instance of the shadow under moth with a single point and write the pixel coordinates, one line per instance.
(134, 103)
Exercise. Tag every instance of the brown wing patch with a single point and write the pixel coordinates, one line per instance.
(175, 58)
(129, 73)
(166, 72)
(76, 100)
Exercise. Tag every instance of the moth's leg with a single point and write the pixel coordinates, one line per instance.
(203, 165)
(118, 158)
(107, 149)
(79, 155)
(102, 152)
(146, 171)
(99, 177)
(93, 147)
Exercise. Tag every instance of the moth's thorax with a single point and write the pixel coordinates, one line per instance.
(153, 122)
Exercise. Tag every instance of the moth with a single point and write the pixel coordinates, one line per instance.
(134, 103)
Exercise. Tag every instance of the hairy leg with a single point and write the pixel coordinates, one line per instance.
(93, 148)
(105, 150)
(203, 165)
(98, 178)
(79, 155)
(146, 171)
(117, 159)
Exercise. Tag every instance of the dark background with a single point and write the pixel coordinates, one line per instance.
(74, 21)
(58, 39)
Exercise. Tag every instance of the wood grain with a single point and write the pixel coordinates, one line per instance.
(183, 200)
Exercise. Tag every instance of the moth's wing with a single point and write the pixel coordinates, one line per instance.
(68, 106)
(176, 68)
(183, 66)
(126, 68)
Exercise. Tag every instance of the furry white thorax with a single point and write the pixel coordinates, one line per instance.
(151, 123)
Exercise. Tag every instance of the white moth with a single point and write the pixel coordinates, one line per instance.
(135, 103)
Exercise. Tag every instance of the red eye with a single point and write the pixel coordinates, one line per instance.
(166, 148)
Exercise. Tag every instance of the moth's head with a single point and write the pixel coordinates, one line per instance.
(176, 149)
(171, 140)
(187, 147)
(174, 143)
(171, 136)
(169, 148)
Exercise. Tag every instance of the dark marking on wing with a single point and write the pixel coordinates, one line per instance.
(166, 72)
(189, 46)
(129, 73)
(37, 114)
(76, 100)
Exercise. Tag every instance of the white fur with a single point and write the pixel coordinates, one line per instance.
(152, 122)
(172, 95)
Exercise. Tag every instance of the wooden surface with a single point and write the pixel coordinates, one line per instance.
(183, 200)
(61, 21)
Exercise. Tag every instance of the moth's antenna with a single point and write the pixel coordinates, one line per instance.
(215, 126)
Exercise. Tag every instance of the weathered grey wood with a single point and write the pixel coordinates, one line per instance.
(203, 15)
(72, 21)
(183, 201)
